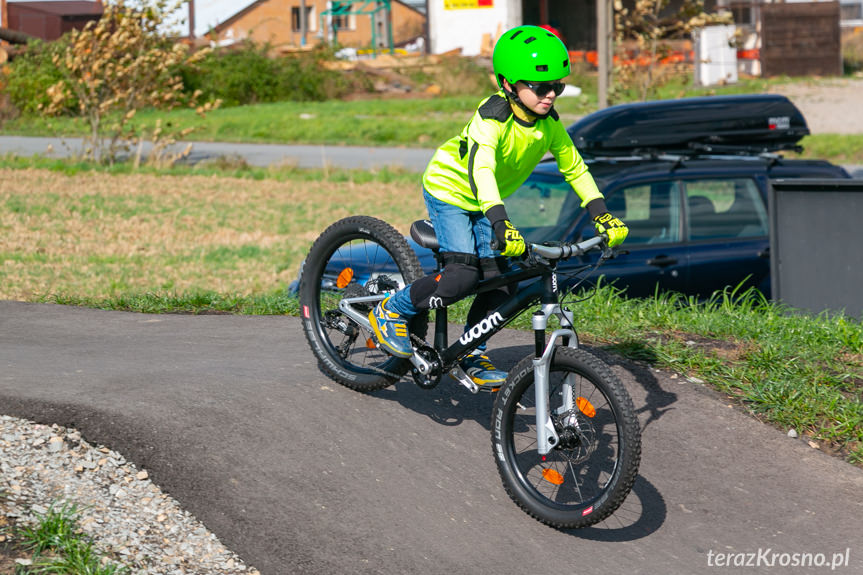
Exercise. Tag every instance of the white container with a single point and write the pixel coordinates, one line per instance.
(715, 55)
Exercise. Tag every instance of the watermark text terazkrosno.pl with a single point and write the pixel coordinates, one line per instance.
(768, 557)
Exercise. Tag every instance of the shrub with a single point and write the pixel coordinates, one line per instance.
(32, 72)
(852, 53)
(457, 76)
(248, 75)
(305, 77)
(237, 77)
(644, 31)
(116, 66)
(8, 111)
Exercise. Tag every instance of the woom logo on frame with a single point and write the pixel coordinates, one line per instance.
(481, 328)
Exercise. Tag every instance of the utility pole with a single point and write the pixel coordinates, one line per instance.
(604, 27)
(427, 30)
(303, 23)
(192, 20)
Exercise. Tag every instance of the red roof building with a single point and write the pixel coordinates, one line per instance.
(50, 20)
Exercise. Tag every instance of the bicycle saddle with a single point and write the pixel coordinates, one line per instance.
(422, 232)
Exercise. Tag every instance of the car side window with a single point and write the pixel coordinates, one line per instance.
(718, 209)
(651, 212)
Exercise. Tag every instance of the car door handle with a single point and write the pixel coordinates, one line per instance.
(765, 253)
(662, 261)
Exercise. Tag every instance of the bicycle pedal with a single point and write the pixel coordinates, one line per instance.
(458, 374)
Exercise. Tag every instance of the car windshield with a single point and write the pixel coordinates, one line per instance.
(543, 208)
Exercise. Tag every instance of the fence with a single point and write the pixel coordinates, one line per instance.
(801, 39)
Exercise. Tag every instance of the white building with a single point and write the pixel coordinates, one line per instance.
(468, 24)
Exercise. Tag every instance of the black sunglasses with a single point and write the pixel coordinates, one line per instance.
(543, 88)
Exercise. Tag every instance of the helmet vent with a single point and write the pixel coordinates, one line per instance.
(514, 36)
(542, 68)
(531, 39)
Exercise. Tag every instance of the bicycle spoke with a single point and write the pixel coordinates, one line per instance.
(581, 466)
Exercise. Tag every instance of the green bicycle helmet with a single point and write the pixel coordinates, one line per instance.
(529, 53)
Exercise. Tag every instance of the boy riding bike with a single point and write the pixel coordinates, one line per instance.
(470, 175)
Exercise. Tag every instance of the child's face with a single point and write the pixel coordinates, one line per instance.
(540, 101)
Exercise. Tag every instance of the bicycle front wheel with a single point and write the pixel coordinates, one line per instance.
(590, 471)
(355, 257)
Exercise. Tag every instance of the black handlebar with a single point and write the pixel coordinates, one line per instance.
(564, 251)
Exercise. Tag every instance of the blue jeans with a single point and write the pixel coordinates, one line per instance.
(457, 230)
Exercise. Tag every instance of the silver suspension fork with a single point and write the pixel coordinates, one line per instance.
(546, 436)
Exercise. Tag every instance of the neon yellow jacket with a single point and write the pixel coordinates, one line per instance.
(496, 152)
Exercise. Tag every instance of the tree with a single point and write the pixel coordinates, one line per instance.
(118, 65)
(648, 27)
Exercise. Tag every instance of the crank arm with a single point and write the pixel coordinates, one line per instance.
(420, 364)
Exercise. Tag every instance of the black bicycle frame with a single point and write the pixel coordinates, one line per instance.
(544, 291)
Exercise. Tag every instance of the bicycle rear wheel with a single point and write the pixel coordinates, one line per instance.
(354, 257)
(588, 474)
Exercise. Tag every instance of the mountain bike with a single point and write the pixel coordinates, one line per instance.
(565, 436)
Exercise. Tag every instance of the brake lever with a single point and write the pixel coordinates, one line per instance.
(534, 259)
(611, 253)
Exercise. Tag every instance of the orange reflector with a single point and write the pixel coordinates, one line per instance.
(552, 476)
(344, 278)
(370, 343)
(585, 407)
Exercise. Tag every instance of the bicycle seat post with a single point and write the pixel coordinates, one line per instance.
(441, 339)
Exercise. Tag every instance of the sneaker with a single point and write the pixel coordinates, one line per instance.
(391, 330)
(482, 372)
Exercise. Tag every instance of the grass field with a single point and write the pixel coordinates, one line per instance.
(95, 235)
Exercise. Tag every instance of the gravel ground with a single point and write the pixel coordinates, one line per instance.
(830, 105)
(128, 518)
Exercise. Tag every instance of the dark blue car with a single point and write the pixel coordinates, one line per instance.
(690, 179)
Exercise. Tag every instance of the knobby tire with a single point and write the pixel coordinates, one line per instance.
(344, 354)
(586, 477)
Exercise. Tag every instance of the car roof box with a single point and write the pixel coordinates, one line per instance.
(744, 124)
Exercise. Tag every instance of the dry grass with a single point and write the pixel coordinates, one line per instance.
(97, 235)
